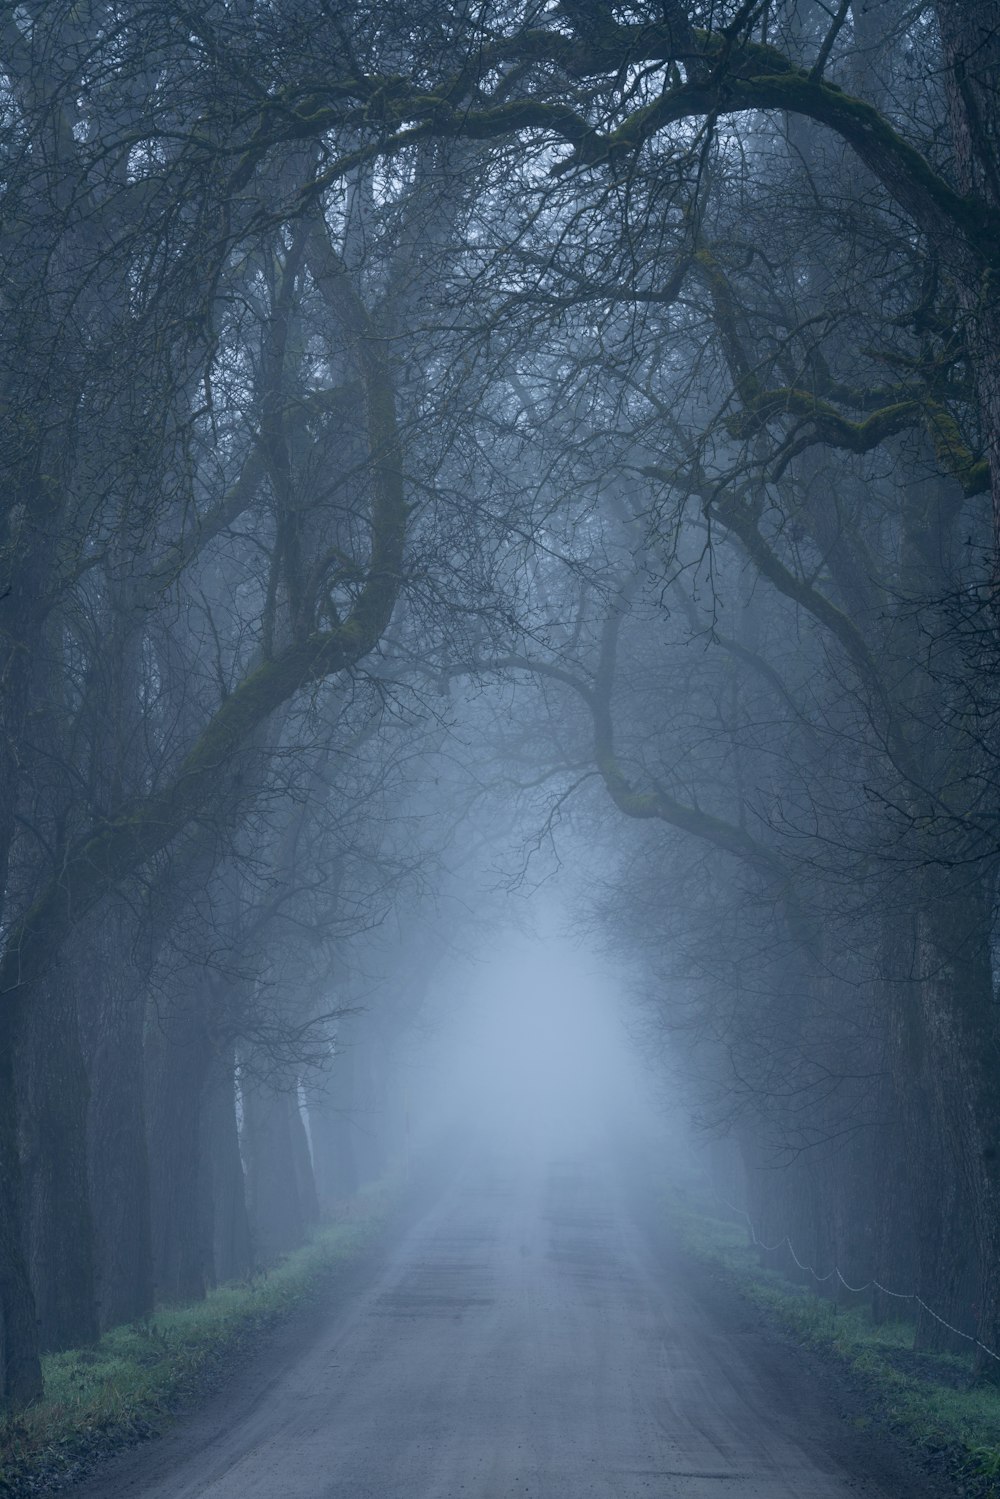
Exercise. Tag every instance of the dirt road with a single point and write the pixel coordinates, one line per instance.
(525, 1340)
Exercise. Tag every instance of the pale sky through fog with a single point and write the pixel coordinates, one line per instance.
(531, 1049)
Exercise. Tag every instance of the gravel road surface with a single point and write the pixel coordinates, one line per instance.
(528, 1338)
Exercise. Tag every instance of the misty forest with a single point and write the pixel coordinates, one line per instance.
(499, 645)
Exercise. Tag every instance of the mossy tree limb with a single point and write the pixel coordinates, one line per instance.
(707, 75)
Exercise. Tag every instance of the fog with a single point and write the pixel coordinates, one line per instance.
(529, 1050)
(499, 644)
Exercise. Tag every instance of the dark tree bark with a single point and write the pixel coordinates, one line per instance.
(178, 1060)
(114, 1022)
(20, 1365)
(970, 36)
(30, 524)
(962, 1057)
(53, 1094)
(232, 1255)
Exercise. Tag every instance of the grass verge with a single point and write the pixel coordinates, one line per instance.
(125, 1388)
(928, 1399)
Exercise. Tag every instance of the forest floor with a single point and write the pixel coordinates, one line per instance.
(535, 1332)
(140, 1378)
(931, 1401)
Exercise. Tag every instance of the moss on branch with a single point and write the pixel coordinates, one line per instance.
(831, 426)
(725, 75)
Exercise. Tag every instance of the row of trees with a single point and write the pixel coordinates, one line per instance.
(638, 359)
(788, 657)
(202, 806)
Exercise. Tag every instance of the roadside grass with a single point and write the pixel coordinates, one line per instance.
(929, 1399)
(125, 1388)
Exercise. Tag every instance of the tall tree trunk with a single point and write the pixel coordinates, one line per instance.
(113, 1026)
(28, 550)
(970, 38)
(921, 1180)
(893, 1263)
(54, 1094)
(963, 1070)
(232, 1254)
(178, 1059)
(20, 1362)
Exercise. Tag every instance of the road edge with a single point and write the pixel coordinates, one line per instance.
(171, 1365)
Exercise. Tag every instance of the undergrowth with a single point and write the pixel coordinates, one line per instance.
(126, 1386)
(930, 1399)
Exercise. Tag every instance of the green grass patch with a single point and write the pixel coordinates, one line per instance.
(125, 1388)
(928, 1398)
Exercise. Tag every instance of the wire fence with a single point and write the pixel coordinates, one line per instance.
(857, 1290)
